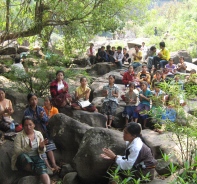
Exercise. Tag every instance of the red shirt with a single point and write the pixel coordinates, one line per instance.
(128, 77)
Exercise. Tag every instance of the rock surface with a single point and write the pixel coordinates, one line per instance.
(29, 180)
(184, 53)
(88, 154)
(71, 178)
(67, 134)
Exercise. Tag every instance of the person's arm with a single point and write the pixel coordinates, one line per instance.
(11, 110)
(146, 98)
(115, 93)
(183, 66)
(42, 115)
(42, 142)
(125, 79)
(165, 55)
(120, 57)
(148, 78)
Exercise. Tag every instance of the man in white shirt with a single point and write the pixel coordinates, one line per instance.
(18, 67)
(118, 56)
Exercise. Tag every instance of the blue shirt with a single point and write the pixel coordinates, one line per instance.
(147, 94)
(36, 116)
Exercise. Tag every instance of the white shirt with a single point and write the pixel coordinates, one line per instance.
(18, 66)
(134, 147)
(118, 56)
(60, 86)
(88, 51)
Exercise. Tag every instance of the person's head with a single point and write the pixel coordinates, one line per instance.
(131, 131)
(2, 94)
(144, 68)
(108, 47)
(177, 77)
(112, 79)
(153, 49)
(131, 86)
(60, 75)
(171, 61)
(181, 59)
(193, 71)
(91, 45)
(157, 86)
(83, 81)
(137, 47)
(32, 99)
(158, 74)
(113, 48)
(162, 45)
(48, 101)
(103, 48)
(28, 124)
(144, 85)
(143, 43)
(119, 49)
(124, 50)
(17, 60)
(130, 69)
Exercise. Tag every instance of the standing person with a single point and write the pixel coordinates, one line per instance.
(144, 104)
(91, 55)
(137, 56)
(29, 144)
(128, 76)
(40, 118)
(162, 57)
(118, 56)
(59, 91)
(181, 66)
(48, 107)
(130, 99)
(155, 31)
(6, 110)
(82, 93)
(138, 156)
(110, 92)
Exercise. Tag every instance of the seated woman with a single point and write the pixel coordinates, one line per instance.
(138, 157)
(29, 144)
(110, 92)
(128, 77)
(6, 110)
(48, 107)
(144, 104)
(130, 99)
(59, 91)
(82, 93)
(40, 119)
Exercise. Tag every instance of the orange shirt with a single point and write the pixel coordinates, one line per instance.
(51, 112)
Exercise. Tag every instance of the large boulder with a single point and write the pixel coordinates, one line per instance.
(184, 53)
(190, 66)
(91, 168)
(67, 134)
(80, 61)
(21, 49)
(93, 119)
(29, 180)
(71, 178)
(8, 51)
(8, 176)
(103, 68)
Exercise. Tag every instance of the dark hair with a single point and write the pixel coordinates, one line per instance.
(113, 47)
(152, 48)
(27, 118)
(102, 47)
(112, 76)
(171, 59)
(82, 78)
(130, 66)
(193, 70)
(119, 48)
(144, 66)
(159, 72)
(30, 95)
(182, 57)
(50, 99)
(162, 44)
(1, 89)
(59, 71)
(134, 129)
(132, 84)
(108, 47)
(124, 48)
(91, 44)
(145, 83)
(138, 46)
(17, 60)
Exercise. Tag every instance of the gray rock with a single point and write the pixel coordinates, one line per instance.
(88, 163)
(71, 178)
(66, 168)
(162, 167)
(103, 68)
(184, 53)
(80, 62)
(8, 51)
(67, 134)
(93, 119)
(21, 49)
(29, 180)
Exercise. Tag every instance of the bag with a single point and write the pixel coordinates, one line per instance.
(84, 103)
(10, 135)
